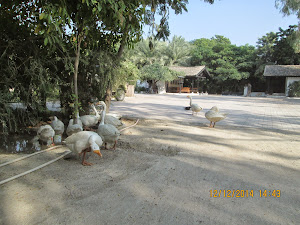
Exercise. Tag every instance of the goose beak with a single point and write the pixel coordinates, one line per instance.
(98, 152)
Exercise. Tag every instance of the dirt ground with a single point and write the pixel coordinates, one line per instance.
(164, 172)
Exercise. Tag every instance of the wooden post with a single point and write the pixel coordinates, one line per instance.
(268, 84)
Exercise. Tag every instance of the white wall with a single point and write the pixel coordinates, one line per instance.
(288, 81)
(161, 86)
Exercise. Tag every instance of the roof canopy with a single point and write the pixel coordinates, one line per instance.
(193, 71)
(282, 71)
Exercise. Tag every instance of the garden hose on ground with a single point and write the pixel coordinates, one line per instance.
(34, 169)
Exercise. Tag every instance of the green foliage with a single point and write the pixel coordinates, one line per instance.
(140, 89)
(294, 89)
(143, 55)
(29, 72)
(275, 48)
(265, 47)
(284, 52)
(127, 73)
(177, 51)
(161, 9)
(105, 25)
(289, 7)
(228, 64)
(157, 72)
(44, 43)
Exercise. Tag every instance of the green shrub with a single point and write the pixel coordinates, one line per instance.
(140, 89)
(294, 89)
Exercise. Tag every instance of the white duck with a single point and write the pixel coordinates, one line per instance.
(90, 120)
(83, 142)
(213, 115)
(74, 128)
(108, 132)
(57, 125)
(194, 107)
(45, 134)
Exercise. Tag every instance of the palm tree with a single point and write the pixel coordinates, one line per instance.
(143, 55)
(177, 51)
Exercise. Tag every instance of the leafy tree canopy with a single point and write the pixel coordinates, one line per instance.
(223, 60)
(289, 7)
(177, 51)
(157, 72)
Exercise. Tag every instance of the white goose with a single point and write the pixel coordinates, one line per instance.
(112, 119)
(90, 120)
(83, 142)
(45, 134)
(74, 128)
(108, 132)
(213, 115)
(194, 107)
(79, 122)
(109, 119)
(57, 125)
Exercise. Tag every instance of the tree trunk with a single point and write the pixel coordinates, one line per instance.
(108, 97)
(77, 56)
(44, 101)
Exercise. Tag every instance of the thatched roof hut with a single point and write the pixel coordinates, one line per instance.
(279, 77)
(191, 80)
(282, 71)
(192, 71)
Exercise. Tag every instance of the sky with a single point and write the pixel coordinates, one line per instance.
(242, 21)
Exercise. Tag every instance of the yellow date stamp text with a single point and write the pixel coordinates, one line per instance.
(240, 193)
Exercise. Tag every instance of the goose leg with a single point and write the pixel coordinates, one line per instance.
(214, 124)
(114, 147)
(83, 162)
(88, 129)
(210, 125)
(52, 143)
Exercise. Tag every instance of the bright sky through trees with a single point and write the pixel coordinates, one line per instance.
(242, 21)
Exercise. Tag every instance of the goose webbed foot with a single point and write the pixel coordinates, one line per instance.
(114, 147)
(89, 129)
(83, 162)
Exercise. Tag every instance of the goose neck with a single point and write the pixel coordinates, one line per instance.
(95, 110)
(103, 114)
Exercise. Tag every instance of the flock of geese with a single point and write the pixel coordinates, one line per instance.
(81, 139)
(213, 115)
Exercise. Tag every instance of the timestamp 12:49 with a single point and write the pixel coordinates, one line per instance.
(243, 193)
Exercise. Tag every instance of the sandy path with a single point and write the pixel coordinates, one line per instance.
(162, 173)
(270, 113)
